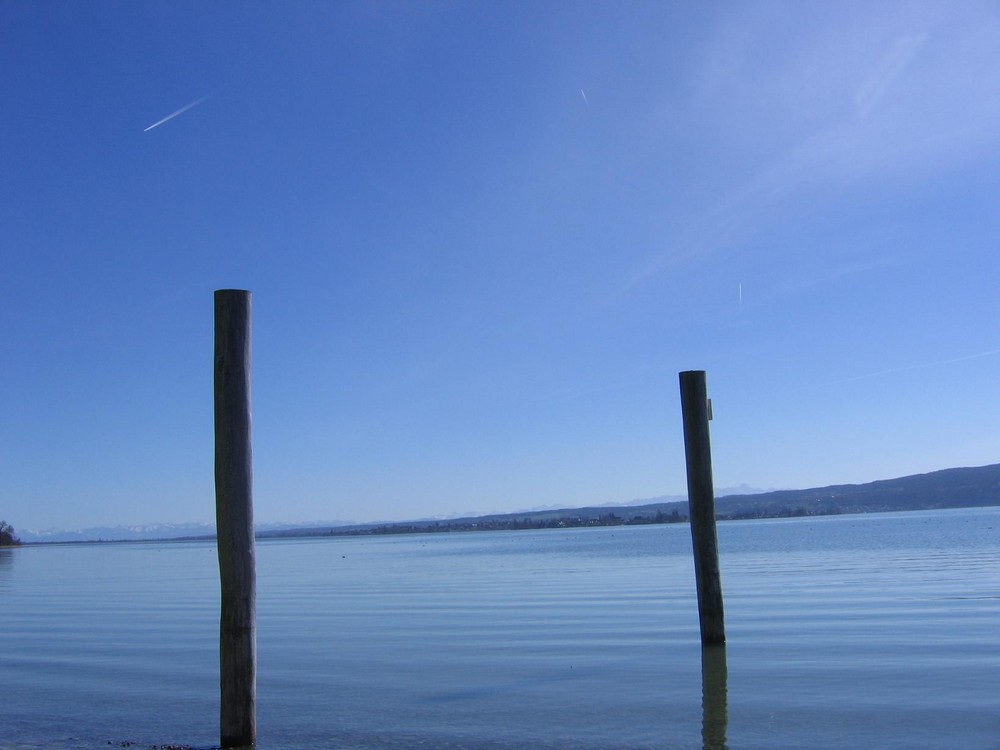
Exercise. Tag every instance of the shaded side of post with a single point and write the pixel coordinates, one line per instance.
(234, 520)
(701, 506)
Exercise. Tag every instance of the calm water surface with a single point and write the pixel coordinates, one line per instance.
(844, 632)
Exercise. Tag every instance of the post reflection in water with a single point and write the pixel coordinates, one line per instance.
(714, 697)
(6, 563)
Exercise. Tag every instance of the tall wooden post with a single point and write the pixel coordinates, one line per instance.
(234, 520)
(701, 506)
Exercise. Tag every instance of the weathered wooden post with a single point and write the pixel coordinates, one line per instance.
(234, 520)
(701, 506)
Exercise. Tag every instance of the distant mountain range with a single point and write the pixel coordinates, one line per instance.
(948, 488)
(152, 532)
(117, 533)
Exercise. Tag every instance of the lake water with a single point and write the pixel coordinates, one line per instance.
(878, 631)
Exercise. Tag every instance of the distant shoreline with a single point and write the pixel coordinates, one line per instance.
(404, 528)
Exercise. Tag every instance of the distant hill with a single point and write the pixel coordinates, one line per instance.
(949, 488)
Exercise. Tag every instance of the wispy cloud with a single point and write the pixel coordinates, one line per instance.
(892, 65)
(874, 101)
(905, 368)
(835, 271)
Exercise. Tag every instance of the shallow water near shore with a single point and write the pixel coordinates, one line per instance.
(843, 632)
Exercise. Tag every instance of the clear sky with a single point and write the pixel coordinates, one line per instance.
(482, 239)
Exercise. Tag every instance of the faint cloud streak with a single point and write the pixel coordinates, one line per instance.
(856, 133)
(891, 67)
(907, 368)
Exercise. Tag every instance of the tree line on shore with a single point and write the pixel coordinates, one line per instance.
(515, 523)
(7, 536)
(522, 523)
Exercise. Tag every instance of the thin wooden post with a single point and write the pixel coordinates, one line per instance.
(701, 506)
(234, 520)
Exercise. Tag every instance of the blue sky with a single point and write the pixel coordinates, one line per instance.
(483, 239)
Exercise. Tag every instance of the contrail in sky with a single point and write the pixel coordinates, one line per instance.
(584, 98)
(181, 111)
